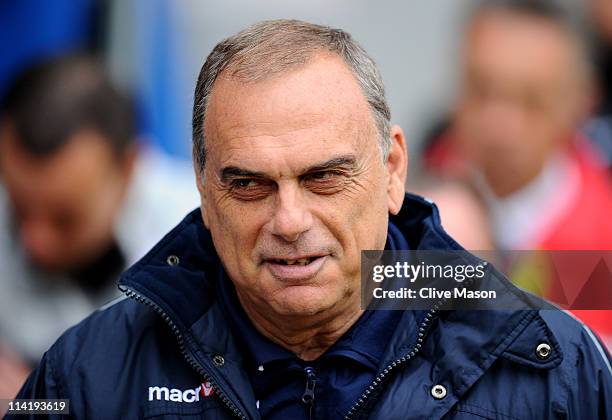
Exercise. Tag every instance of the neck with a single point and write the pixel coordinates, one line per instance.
(307, 336)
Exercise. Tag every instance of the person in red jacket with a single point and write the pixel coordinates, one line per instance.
(525, 91)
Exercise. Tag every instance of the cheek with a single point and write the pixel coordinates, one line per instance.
(373, 228)
(107, 206)
(361, 222)
(94, 225)
(234, 229)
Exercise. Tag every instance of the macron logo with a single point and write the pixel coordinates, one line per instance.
(159, 393)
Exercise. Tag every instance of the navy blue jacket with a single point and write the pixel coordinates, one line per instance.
(166, 351)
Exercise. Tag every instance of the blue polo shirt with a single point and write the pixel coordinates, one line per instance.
(287, 387)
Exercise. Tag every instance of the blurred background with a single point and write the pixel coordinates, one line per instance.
(507, 107)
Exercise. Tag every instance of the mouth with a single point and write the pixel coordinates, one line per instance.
(295, 269)
(299, 261)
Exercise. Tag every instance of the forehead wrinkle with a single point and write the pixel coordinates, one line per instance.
(244, 137)
(333, 121)
(246, 132)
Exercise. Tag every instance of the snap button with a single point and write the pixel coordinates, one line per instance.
(438, 392)
(218, 360)
(543, 351)
(172, 260)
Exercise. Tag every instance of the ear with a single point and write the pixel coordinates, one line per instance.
(397, 168)
(199, 175)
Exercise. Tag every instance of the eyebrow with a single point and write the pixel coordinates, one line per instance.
(338, 162)
(229, 172)
(334, 163)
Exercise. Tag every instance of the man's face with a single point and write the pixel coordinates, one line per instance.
(521, 98)
(65, 204)
(295, 186)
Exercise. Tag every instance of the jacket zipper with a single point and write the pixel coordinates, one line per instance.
(308, 397)
(186, 353)
(380, 379)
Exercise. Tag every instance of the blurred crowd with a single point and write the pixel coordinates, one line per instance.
(521, 161)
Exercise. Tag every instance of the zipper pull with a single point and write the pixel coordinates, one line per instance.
(311, 380)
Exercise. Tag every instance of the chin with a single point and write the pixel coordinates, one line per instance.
(306, 300)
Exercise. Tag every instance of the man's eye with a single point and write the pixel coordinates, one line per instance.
(325, 182)
(249, 189)
(323, 176)
(243, 183)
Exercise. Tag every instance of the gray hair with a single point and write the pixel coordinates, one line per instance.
(276, 46)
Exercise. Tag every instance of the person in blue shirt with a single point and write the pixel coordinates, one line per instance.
(251, 307)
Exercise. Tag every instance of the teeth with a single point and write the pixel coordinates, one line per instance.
(301, 261)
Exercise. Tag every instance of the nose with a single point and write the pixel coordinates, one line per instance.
(503, 117)
(291, 215)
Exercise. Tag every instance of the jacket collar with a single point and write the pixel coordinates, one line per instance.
(463, 344)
